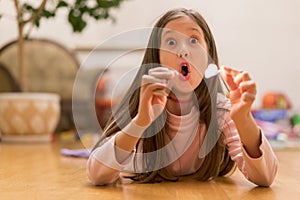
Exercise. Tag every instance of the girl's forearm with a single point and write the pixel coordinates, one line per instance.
(249, 134)
(128, 137)
(126, 142)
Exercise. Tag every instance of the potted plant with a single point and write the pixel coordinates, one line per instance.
(40, 126)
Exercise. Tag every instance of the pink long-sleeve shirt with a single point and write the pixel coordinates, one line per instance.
(185, 138)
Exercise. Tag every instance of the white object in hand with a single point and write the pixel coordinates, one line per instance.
(163, 92)
(211, 71)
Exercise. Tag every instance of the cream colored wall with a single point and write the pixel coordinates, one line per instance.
(261, 37)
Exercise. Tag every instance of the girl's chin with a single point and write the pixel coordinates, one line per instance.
(182, 88)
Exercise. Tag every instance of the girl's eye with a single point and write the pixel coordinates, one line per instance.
(193, 40)
(171, 42)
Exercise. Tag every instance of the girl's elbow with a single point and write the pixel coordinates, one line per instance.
(98, 178)
(100, 175)
(94, 178)
(268, 179)
(271, 177)
(265, 183)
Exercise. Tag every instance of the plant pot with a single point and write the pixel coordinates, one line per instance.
(28, 117)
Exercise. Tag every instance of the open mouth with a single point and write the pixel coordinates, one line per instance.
(184, 71)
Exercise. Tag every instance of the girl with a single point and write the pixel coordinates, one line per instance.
(173, 125)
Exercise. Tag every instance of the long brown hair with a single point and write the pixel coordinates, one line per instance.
(217, 162)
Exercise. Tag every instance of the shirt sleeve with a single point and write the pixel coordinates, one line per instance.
(106, 162)
(260, 171)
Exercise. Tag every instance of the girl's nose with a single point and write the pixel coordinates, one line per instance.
(183, 53)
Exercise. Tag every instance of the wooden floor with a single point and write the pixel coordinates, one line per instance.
(39, 171)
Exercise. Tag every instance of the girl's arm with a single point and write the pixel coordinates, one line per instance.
(259, 170)
(242, 95)
(250, 135)
(247, 145)
(150, 107)
(106, 162)
(113, 155)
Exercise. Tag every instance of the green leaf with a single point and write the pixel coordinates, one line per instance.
(78, 11)
(27, 7)
(62, 4)
(37, 22)
(108, 3)
(47, 14)
(77, 22)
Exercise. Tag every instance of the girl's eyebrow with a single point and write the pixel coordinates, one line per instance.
(197, 30)
(167, 32)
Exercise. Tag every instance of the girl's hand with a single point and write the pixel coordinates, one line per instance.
(151, 105)
(242, 92)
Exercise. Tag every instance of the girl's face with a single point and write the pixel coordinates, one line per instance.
(183, 48)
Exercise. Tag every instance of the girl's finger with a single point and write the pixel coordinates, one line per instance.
(169, 74)
(147, 79)
(150, 84)
(248, 86)
(230, 71)
(226, 74)
(242, 76)
(159, 69)
(248, 97)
